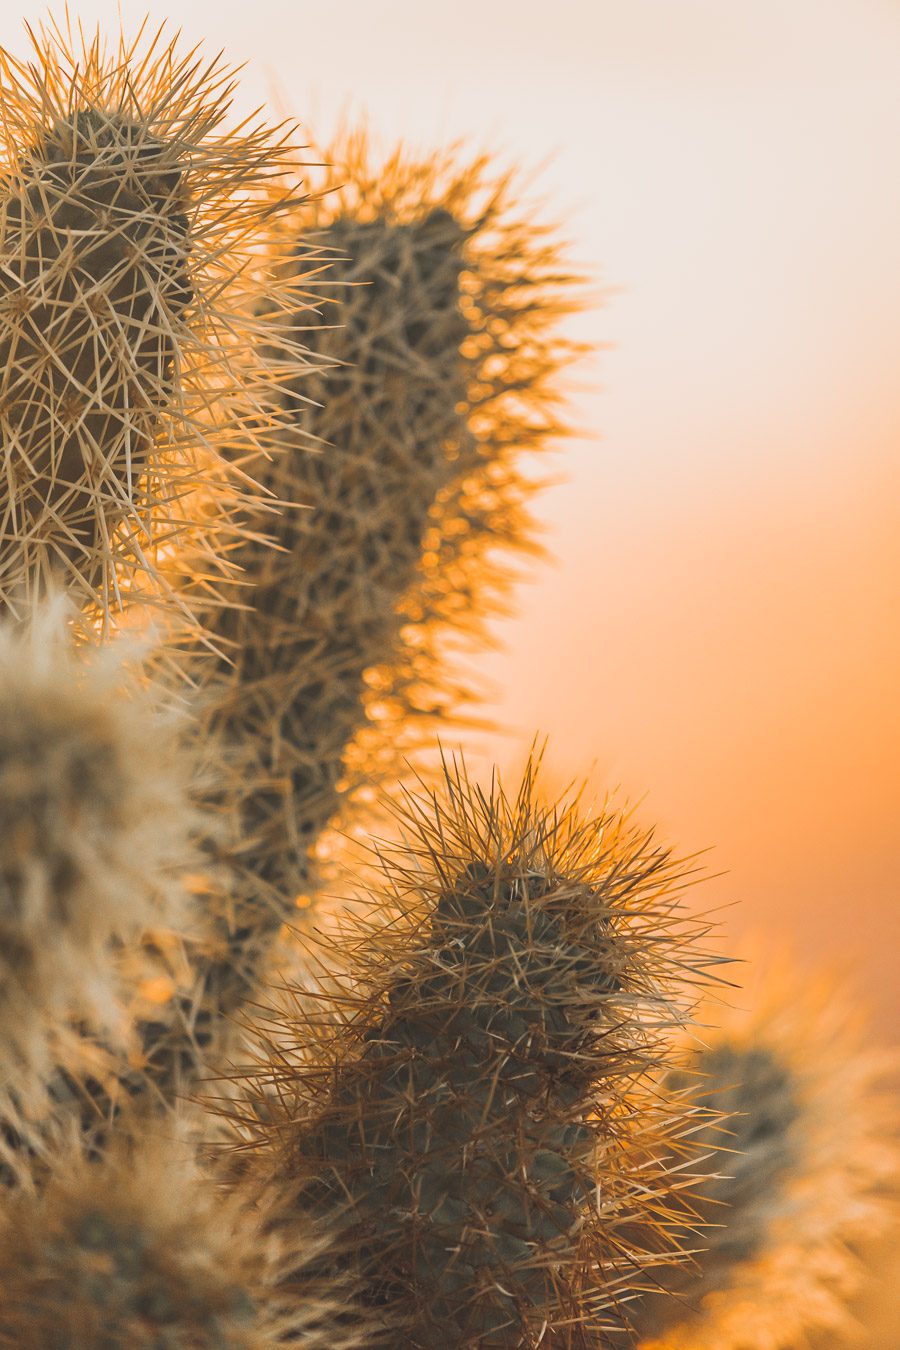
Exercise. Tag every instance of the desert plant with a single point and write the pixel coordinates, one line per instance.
(96, 835)
(466, 1105)
(806, 1160)
(141, 1250)
(135, 227)
(138, 373)
(440, 371)
(467, 1130)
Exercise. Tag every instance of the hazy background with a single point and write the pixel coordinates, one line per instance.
(720, 635)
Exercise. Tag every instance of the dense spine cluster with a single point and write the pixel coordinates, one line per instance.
(486, 1115)
(325, 610)
(134, 229)
(96, 837)
(95, 274)
(139, 375)
(467, 1109)
(321, 608)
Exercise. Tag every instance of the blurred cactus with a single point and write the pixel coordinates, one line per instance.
(134, 231)
(807, 1160)
(95, 833)
(139, 1251)
(463, 1105)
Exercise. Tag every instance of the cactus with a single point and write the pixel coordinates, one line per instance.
(805, 1158)
(469, 1131)
(439, 370)
(133, 229)
(464, 1107)
(140, 1251)
(138, 374)
(95, 834)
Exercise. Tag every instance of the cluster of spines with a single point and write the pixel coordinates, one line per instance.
(135, 228)
(138, 379)
(139, 374)
(805, 1156)
(468, 1105)
(484, 1070)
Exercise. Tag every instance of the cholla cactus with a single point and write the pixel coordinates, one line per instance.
(442, 367)
(466, 1102)
(137, 374)
(806, 1158)
(96, 824)
(134, 230)
(478, 1110)
(140, 1251)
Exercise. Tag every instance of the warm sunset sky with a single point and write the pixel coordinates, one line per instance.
(721, 633)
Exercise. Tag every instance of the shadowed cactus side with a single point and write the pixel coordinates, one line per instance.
(140, 1251)
(134, 229)
(464, 1102)
(807, 1162)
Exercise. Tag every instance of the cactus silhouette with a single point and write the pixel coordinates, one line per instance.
(804, 1159)
(464, 1106)
(133, 227)
(139, 1250)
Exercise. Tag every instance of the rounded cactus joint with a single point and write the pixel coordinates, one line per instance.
(94, 284)
(467, 1125)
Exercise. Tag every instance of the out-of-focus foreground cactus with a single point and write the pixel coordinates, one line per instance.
(807, 1159)
(136, 1250)
(97, 843)
(471, 1130)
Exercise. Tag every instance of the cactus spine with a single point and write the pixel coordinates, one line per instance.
(137, 373)
(475, 1121)
(96, 838)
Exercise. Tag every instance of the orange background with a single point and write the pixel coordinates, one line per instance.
(721, 634)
